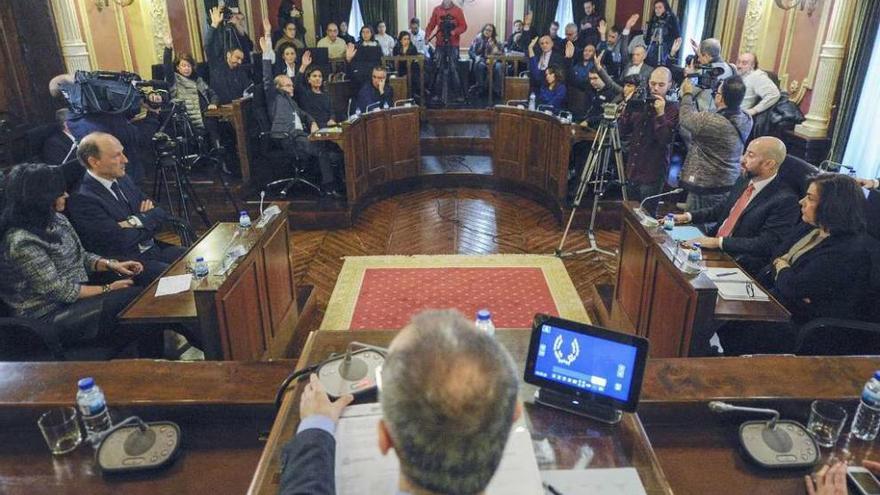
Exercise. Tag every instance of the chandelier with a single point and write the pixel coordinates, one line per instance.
(810, 5)
(105, 4)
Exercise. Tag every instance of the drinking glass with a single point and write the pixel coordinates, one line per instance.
(826, 422)
(61, 430)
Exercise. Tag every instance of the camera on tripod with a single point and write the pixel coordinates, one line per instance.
(447, 26)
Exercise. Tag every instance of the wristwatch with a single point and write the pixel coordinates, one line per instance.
(110, 262)
(132, 220)
(105, 288)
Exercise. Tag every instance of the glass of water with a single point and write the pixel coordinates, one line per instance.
(826, 422)
(61, 430)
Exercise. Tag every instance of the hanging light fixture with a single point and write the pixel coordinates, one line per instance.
(808, 5)
(105, 4)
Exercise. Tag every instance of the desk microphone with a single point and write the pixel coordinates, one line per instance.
(374, 105)
(646, 219)
(774, 444)
(835, 166)
(544, 108)
(354, 372)
(405, 103)
(514, 103)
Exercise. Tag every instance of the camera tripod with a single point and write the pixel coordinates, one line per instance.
(605, 143)
(446, 69)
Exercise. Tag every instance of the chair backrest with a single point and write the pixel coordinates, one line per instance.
(796, 174)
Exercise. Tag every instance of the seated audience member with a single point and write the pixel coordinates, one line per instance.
(367, 38)
(289, 36)
(589, 24)
(405, 47)
(614, 46)
(312, 99)
(483, 46)
(651, 130)
(661, 34)
(598, 95)
(539, 62)
(375, 94)
(292, 126)
(418, 36)
(712, 164)
(332, 42)
(437, 367)
(817, 272)
(573, 42)
(228, 78)
(579, 75)
(112, 215)
(758, 212)
(553, 33)
(635, 68)
(513, 41)
(343, 33)
(385, 40)
(553, 92)
(44, 270)
(190, 90)
(285, 62)
(60, 146)
(287, 12)
(761, 92)
(240, 37)
(361, 62)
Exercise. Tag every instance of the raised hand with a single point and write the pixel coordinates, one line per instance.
(597, 59)
(675, 45)
(306, 60)
(168, 40)
(350, 52)
(267, 26)
(603, 28)
(216, 17)
(633, 19)
(695, 46)
(266, 43)
(532, 46)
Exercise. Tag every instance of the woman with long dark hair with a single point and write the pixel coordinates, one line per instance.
(482, 47)
(662, 31)
(44, 271)
(289, 36)
(405, 47)
(553, 92)
(285, 61)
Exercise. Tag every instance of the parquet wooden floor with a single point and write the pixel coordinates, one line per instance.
(457, 221)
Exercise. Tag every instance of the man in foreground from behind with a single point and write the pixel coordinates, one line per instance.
(448, 396)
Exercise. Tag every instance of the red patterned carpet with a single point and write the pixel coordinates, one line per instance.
(384, 292)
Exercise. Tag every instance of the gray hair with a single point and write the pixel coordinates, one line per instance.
(711, 47)
(89, 148)
(448, 395)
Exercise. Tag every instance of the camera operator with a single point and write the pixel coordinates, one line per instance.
(710, 68)
(718, 138)
(650, 121)
(229, 79)
(598, 94)
(190, 90)
(447, 24)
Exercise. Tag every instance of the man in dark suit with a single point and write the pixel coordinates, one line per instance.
(112, 216)
(438, 366)
(758, 212)
(636, 67)
(376, 93)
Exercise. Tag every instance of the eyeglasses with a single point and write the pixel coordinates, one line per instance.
(750, 289)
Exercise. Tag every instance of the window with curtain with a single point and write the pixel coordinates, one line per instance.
(355, 20)
(863, 147)
(564, 16)
(542, 14)
(692, 24)
(374, 11)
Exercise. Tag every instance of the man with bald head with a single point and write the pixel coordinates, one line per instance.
(758, 212)
(449, 399)
(112, 216)
(651, 127)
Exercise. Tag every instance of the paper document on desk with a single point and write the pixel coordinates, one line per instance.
(615, 481)
(686, 233)
(174, 284)
(721, 274)
(739, 291)
(361, 468)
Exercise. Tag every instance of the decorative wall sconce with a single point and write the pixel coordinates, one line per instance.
(809, 5)
(105, 4)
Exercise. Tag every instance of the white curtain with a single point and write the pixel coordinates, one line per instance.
(355, 20)
(564, 16)
(863, 147)
(694, 19)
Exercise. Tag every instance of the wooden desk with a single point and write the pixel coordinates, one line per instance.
(223, 409)
(677, 312)
(236, 113)
(246, 314)
(504, 60)
(694, 451)
(340, 92)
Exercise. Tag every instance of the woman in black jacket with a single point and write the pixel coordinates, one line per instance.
(819, 272)
(662, 31)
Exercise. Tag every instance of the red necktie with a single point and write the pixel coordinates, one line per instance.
(736, 212)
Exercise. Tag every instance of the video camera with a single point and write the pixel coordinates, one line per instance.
(447, 26)
(708, 76)
(641, 99)
(112, 92)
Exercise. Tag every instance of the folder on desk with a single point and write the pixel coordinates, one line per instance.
(686, 233)
(739, 291)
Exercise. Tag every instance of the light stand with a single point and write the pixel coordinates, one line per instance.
(594, 173)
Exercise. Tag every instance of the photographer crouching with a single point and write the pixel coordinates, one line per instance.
(446, 25)
(650, 121)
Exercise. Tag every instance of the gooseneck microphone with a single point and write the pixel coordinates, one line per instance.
(373, 106)
(646, 219)
(723, 407)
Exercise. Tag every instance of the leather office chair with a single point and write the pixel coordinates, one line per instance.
(272, 150)
(796, 174)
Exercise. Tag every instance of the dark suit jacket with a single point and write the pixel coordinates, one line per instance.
(765, 222)
(832, 276)
(57, 147)
(96, 214)
(537, 75)
(281, 108)
(307, 464)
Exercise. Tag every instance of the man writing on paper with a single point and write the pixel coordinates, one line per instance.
(758, 212)
(448, 396)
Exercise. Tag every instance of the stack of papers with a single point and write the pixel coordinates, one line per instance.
(174, 284)
(734, 285)
(611, 481)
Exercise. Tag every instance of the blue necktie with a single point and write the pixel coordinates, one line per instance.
(119, 196)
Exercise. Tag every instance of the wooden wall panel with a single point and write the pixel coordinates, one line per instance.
(280, 288)
(407, 155)
(378, 150)
(242, 313)
(668, 313)
(508, 143)
(539, 150)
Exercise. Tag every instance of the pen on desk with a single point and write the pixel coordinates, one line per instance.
(551, 489)
(725, 274)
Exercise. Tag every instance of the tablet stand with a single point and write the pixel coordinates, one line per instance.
(578, 405)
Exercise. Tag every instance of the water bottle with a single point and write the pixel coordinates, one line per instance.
(484, 322)
(669, 223)
(92, 407)
(866, 422)
(532, 101)
(695, 255)
(852, 173)
(201, 268)
(244, 220)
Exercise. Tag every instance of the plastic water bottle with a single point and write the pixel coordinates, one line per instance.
(92, 407)
(201, 268)
(532, 101)
(866, 422)
(669, 223)
(695, 255)
(852, 173)
(244, 220)
(484, 322)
